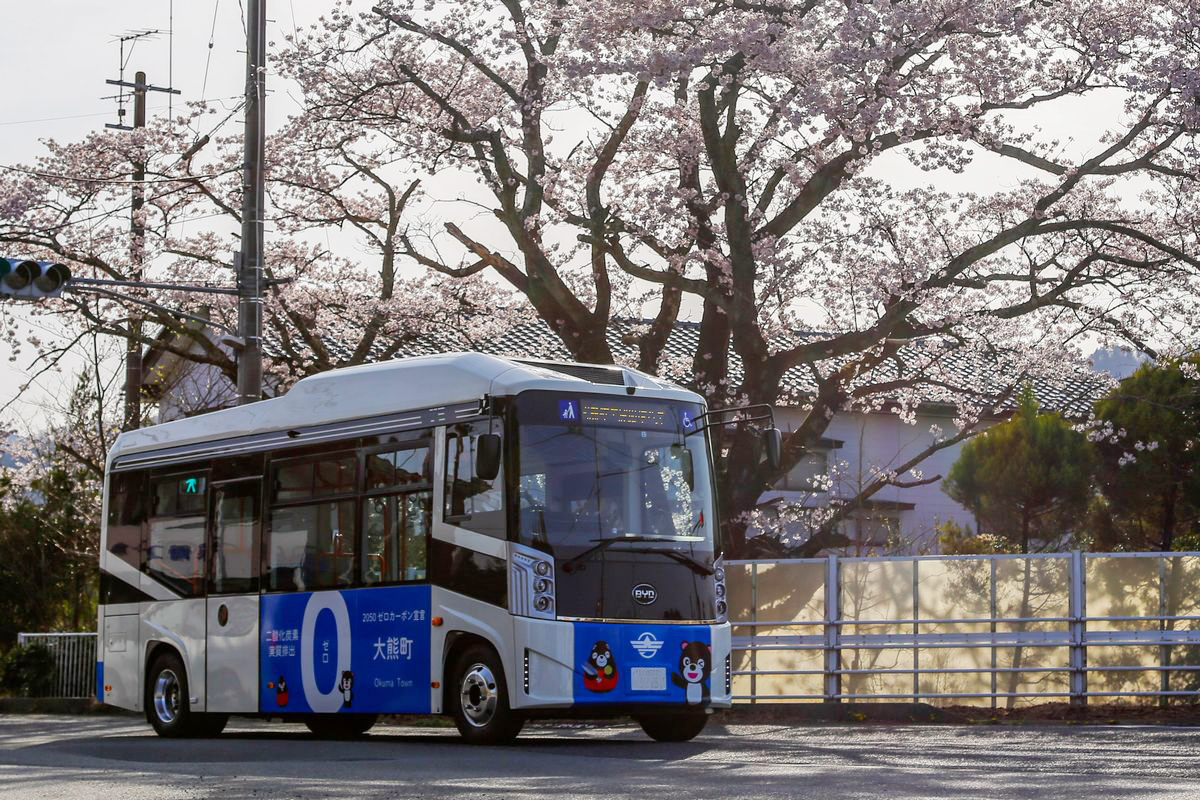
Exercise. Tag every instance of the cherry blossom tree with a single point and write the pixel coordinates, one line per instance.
(855, 193)
(325, 308)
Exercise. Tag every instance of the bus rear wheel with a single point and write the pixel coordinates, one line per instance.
(168, 708)
(478, 698)
(340, 726)
(673, 727)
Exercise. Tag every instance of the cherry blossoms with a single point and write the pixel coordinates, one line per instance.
(858, 198)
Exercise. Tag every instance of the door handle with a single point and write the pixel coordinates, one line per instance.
(222, 615)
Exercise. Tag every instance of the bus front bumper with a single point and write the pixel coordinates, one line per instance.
(605, 668)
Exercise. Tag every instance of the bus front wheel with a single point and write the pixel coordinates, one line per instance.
(168, 708)
(673, 727)
(478, 698)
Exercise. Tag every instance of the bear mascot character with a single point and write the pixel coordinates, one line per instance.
(346, 687)
(695, 667)
(600, 669)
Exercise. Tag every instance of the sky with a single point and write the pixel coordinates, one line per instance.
(58, 54)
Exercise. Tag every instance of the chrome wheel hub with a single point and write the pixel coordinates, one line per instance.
(478, 695)
(167, 696)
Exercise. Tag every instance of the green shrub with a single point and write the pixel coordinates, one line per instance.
(29, 671)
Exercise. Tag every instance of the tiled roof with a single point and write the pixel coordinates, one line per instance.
(958, 370)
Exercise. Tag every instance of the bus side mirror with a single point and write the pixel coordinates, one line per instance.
(487, 456)
(773, 445)
(686, 466)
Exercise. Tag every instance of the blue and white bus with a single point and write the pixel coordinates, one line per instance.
(487, 538)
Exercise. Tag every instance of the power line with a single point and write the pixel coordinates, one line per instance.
(212, 35)
(114, 181)
(105, 113)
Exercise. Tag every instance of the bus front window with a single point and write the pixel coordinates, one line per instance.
(618, 468)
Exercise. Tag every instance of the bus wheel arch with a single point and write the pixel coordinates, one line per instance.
(166, 698)
(472, 662)
(456, 642)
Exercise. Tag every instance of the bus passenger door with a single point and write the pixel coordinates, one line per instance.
(232, 605)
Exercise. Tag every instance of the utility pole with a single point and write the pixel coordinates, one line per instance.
(137, 252)
(137, 240)
(250, 261)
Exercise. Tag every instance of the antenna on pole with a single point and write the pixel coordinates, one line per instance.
(122, 97)
(138, 89)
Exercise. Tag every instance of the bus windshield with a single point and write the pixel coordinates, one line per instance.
(599, 469)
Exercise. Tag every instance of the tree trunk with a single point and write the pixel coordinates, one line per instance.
(1167, 534)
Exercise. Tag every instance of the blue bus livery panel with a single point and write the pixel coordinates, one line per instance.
(368, 651)
(636, 663)
(361, 650)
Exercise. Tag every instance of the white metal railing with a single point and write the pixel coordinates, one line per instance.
(74, 657)
(987, 628)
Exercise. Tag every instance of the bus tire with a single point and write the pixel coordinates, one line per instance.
(340, 726)
(673, 727)
(478, 698)
(168, 709)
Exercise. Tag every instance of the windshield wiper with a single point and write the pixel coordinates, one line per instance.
(604, 544)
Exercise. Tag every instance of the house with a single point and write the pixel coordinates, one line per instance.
(856, 444)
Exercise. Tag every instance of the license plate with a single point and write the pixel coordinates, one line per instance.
(648, 679)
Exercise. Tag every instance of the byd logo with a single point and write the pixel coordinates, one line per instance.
(644, 594)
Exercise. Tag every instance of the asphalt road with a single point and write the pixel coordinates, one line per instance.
(118, 757)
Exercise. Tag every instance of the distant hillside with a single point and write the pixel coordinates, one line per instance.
(1119, 362)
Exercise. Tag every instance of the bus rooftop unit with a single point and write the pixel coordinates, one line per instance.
(461, 534)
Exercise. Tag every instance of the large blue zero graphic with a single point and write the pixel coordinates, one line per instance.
(360, 651)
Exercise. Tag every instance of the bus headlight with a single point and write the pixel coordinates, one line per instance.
(530, 582)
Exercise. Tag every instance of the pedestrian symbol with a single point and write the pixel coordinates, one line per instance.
(191, 486)
(568, 410)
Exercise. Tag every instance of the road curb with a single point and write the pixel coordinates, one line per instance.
(57, 705)
(835, 712)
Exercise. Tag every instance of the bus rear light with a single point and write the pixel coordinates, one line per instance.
(436, 622)
(543, 603)
(435, 684)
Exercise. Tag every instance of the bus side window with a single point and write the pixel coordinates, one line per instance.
(471, 502)
(397, 513)
(126, 516)
(312, 530)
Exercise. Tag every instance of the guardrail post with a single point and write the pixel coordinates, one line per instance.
(916, 629)
(1078, 613)
(995, 659)
(753, 632)
(1164, 651)
(833, 630)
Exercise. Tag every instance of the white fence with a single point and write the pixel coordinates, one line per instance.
(75, 657)
(995, 629)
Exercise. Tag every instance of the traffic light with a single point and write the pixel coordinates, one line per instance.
(31, 280)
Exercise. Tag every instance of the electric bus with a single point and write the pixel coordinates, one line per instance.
(461, 534)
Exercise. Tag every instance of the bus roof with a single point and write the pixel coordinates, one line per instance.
(393, 386)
